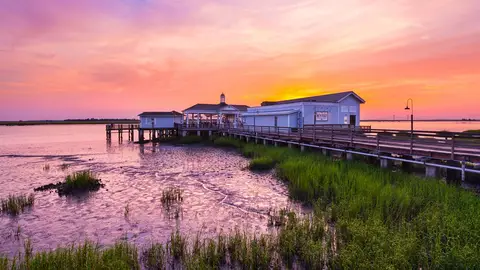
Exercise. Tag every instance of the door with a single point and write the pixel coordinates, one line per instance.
(276, 121)
(353, 120)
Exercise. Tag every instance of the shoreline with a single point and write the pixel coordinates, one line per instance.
(67, 122)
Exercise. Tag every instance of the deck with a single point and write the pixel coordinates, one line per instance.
(430, 144)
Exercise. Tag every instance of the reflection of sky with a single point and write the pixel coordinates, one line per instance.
(219, 194)
(65, 58)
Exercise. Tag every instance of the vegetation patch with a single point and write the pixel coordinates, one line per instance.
(227, 142)
(86, 256)
(78, 182)
(14, 205)
(261, 164)
(172, 199)
(376, 218)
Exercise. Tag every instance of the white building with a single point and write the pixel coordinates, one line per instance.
(333, 109)
(160, 120)
(213, 115)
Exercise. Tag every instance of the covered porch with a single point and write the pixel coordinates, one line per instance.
(212, 119)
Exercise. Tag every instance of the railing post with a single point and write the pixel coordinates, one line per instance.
(463, 171)
(351, 137)
(378, 142)
(411, 144)
(452, 157)
(332, 136)
(314, 133)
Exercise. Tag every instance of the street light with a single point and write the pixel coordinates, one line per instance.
(411, 123)
(410, 101)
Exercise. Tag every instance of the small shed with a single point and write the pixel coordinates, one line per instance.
(159, 120)
(332, 109)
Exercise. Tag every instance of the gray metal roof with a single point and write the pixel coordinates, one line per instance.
(172, 113)
(215, 107)
(330, 98)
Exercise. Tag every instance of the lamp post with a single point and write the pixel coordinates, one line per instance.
(410, 101)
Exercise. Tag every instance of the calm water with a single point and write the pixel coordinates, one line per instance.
(219, 194)
(425, 126)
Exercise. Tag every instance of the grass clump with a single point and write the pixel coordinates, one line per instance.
(86, 256)
(172, 195)
(78, 182)
(14, 205)
(46, 167)
(261, 164)
(227, 142)
(376, 218)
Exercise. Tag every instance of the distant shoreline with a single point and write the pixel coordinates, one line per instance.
(68, 122)
(426, 120)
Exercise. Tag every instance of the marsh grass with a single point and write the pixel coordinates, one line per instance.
(378, 218)
(86, 256)
(64, 166)
(277, 218)
(172, 195)
(126, 211)
(14, 205)
(78, 182)
(172, 199)
(261, 164)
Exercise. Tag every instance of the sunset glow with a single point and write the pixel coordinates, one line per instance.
(109, 58)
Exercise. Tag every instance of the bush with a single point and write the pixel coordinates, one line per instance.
(15, 205)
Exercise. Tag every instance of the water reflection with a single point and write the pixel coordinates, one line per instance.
(219, 194)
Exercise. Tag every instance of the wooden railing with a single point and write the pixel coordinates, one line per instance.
(435, 144)
(121, 126)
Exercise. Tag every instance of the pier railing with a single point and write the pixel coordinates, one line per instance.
(117, 127)
(435, 144)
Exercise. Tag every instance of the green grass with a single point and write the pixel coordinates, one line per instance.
(86, 256)
(472, 131)
(77, 182)
(363, 218)
(381, 219)
(261, 164)
(14, 205)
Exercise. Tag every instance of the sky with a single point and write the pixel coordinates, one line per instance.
(116, 58)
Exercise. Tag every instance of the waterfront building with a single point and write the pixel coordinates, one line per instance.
(214, 115)
(160, 120)
(332, 109)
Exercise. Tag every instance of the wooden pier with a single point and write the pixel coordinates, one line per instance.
(454, 151)
(153, 133)
(429, 144)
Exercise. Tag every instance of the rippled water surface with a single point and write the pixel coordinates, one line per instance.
(219, 194)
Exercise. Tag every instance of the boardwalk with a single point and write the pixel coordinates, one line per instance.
(434, 145)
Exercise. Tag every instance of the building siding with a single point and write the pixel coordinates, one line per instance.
(160, 122)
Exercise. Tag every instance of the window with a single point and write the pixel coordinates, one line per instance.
(344, 108)
(321, 116)
(353, 109)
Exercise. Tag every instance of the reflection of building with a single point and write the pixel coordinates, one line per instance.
(211, 115)
(160, 120)
(332, 109)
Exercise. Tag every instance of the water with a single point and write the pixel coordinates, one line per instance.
(219, 194)
(426, 126)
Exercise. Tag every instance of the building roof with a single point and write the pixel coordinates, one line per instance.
(215, 107)
(330, 98)
(172, 113)
(286, 112)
